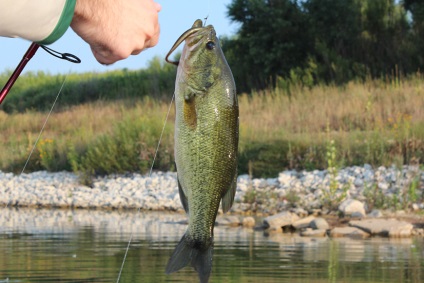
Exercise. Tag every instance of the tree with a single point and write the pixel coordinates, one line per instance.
(385, 35)
(273, 39)
(416, 8)
(336, 28)
(358, 38)
(328, 40)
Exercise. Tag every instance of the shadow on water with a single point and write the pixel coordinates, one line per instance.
(89, 246)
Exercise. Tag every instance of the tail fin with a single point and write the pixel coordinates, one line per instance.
(187, 252)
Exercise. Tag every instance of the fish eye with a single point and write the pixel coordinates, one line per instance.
(210, 45)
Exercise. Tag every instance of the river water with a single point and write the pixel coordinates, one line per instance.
(42, 245)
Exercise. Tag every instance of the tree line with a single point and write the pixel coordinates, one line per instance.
(279, 43)
(323, 41)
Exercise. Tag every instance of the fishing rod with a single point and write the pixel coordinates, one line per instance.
(25, 59)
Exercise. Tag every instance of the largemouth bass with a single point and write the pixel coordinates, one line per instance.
(206, 143)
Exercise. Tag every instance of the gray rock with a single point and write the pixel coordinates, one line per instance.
(418, 232)
(300, 211)
(317, 211)
(319, 223)
(160, 191)
(313, 233)
(271, 231)
(351, 232)
(303, 223)
(248, 222)
(245, 206)
(415, 207)
(375, 213)
(402, 230)
(280, 220)
(383, 186)
(357, 214)
(229, 220)
(367, 167)
(349, 206)
(384, 227)
(358, 182)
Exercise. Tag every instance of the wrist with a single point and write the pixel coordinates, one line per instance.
(81, 12)
(94, 15)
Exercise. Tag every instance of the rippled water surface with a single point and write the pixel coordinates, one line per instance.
(89, 246)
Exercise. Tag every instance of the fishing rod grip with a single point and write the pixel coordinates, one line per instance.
(28, 55)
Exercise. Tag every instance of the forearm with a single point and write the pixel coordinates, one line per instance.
(42, 21)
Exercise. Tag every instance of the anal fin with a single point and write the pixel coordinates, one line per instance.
(228, 198)
(183, 197)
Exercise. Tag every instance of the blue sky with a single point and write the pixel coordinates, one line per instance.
(176, 17)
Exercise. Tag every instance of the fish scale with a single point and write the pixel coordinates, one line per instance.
(206, 143)
(201, 164)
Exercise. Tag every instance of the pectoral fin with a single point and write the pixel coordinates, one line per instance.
(190, 115)
(183, 197)
(228, 198)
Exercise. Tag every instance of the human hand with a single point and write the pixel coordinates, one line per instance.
(116, 29)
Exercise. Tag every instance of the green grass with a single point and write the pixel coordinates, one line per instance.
(37, 91)
(373, 122)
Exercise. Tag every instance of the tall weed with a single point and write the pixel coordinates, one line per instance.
(371, 122)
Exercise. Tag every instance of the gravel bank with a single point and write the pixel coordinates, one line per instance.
(306, 190)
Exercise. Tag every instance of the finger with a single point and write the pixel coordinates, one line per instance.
(154, 39)
(136, 52)
(104, 58)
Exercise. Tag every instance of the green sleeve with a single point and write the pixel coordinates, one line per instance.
(63, 24)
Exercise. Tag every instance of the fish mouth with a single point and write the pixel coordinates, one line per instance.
(204, 34)
(196, 33)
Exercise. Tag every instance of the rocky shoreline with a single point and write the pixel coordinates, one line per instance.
(344, 199)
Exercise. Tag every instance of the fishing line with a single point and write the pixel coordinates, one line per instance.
(207, 15)
(150, 175)
(44, 125)
(28, 55)
(42, 129)
(161, 134)
(209, 11)
(65, 56)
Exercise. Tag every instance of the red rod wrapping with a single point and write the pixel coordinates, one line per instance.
(28, 55)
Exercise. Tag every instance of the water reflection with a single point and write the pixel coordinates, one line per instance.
(89, 246)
